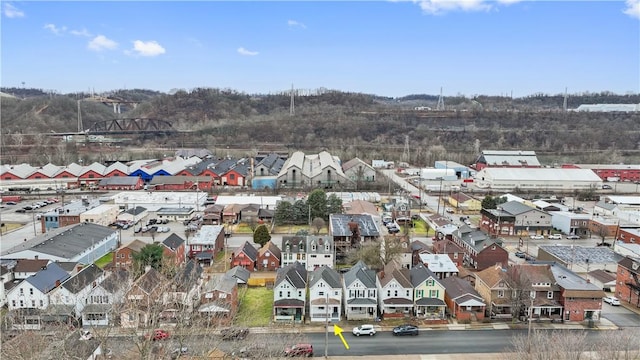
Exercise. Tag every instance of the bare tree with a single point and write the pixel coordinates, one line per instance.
(318, 224)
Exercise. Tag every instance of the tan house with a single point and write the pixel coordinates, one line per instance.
(465, 203)
(104, 214)
(492, 284)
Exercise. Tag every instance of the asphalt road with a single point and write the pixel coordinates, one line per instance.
(383, 343)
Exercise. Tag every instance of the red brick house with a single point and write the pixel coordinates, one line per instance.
(449, 248)
(123, 256)
(629, 236)
(174, 249)
(628, 281)
(463, 300)
(245, 256)
(219, 300)
(268, 257)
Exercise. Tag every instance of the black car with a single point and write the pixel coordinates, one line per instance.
(521, 254)
(405, 330)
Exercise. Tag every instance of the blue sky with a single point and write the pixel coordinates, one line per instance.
(388, 48)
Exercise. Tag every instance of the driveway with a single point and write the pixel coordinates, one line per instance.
(620, 316)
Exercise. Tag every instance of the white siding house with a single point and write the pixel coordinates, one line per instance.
(290, 293)
(325, 295)
(360, 293)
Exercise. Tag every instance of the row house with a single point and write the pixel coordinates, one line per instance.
(628, 281)
(219, 299)
(428, 294)
(104, 300)
(496, 288)
(325, 295)
(463, 300)
(73, 292)
(289, 293)
(449, 248)
(178, 297)
(360, 293)
(143, 300)
(480, 250)
(174, 250)
(33, 292)
(395, 292)
(123, 256)
(440, 265)
(209, 239)
(311, 251)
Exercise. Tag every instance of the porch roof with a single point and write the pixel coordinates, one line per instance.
(362, 301)
(97, 308)
(397, 301)
(288, 303)
(430, 302)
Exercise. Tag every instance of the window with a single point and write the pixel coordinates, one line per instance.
(549, 294)
(320, 293)
(388, 292)
(500, 293)
(13, 302)
(408, 293)
(41, 303)
(280, 294)
(33, 303)
(430, 282)
(532, 294)
(21, 291)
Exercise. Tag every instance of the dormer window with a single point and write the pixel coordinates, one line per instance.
(287, 247)
(313, 246)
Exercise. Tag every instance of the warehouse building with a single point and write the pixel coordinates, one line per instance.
(537, 179)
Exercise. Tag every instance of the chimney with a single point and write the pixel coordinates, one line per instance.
(588, 281)
(35, 257)
(57, 283)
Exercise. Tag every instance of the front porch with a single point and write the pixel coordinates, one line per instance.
(397, 307)
(361, 309)
(96, 315)
(430, 309)
(288, 310)
(319, 309)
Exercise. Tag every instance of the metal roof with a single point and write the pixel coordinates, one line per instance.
(45, 280)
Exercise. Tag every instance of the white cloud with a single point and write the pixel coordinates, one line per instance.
(147, 48)
(243, 51)
(293, 23)
(83, 33)
(54, 29)
(101, 42)
(11, 11)
(633, 8)
(437, 7)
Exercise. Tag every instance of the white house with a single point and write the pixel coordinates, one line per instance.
(290, 293)
(104, 299)
(73, 292)
(320, 252)
(440, 264)
(33, 292)
(325, 295)
(395, 292)
(28, 267)
(360, 293)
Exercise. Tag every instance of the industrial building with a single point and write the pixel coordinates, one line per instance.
(537, 179)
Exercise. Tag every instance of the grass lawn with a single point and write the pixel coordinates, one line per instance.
(104, 261)
(256, 306)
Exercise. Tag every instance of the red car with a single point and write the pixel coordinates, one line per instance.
(299, 350)
(158, 335)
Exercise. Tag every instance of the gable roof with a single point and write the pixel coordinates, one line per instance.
(239, 273)
(47, 279)
(188, 276)
(30, 265)
(329, 275)
(361, 272)
(294, 273)
(136, 210)
(271, 247)
(83, 278)
(249, 250)
(492, 276)
(173, 241)
(221, 282)
(150, 280)
(116, 281)
(456, 288)
(135, 245)
(420, 273)
(394, 270)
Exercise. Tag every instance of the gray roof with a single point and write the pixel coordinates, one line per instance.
(150, 281)
(457, 287)
(361, 301)
(136, 210)
(173, 241)
(294, 273)
(340, 225)
(329, 275)
(516, 208)
(507, 157)
(420, 273)
(116, 281)
(188, 276)
(569, 280)
(361, 272)
(119, 181)
(239, 273)
(249, 250)
(294, 244)
(45, 280)
(581, 255)
(68, 266)
(605, 205)
(84, 277)
(273, 162)
(222, 282)
(69, 241)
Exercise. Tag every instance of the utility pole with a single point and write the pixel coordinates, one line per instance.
(529, 330)
(326, 328)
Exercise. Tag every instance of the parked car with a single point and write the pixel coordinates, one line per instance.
(21, 211)
(158, 334)
(573, 237)
(10, 203)
(521, 254)
(299, 350)
(406, 329)
(611, 300)
(555, 237)
(234, 333)
(364, 330)
(537, 237)
(449, 210)
(606, 187)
